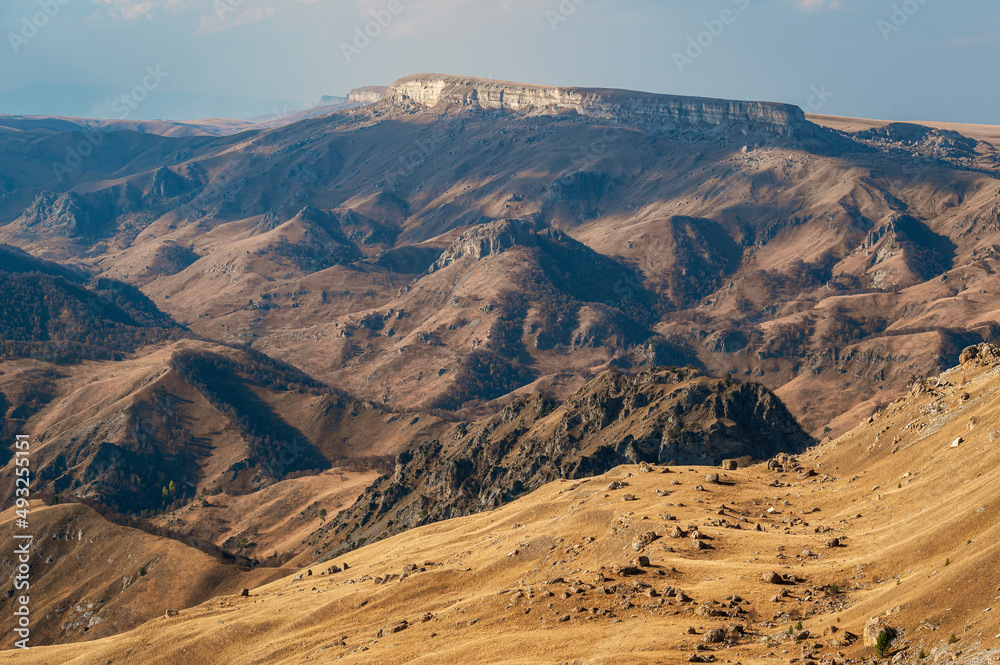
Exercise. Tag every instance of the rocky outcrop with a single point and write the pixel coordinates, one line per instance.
(661, 416)
(495, 238)
(981, 355)
(367, 95)
(668, 112)
(925, 253)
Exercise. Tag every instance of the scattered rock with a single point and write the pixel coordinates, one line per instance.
(617, 485)
(873, 628)
(398, 628)
(729, 465)
(244, 593)
(171, 613)
(772, 577)
(644, 540)
(714, 636)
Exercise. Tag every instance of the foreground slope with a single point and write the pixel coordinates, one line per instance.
(91, 578)
(900, 514)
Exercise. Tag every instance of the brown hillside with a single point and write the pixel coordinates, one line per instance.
(812, 258)
(557, 576)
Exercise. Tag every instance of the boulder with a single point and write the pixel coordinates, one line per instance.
(714, 636)
(729, 465)
(772, 577)
(873, 628)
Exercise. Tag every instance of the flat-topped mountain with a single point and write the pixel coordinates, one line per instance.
(386, 247)
(624, 106)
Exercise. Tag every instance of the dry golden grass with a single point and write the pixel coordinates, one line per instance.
(919, 521)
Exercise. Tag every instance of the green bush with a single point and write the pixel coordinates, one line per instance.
(883, 644)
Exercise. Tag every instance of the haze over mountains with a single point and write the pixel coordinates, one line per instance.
(813, 256)
(276, 341)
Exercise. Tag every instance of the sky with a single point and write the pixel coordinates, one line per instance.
(887, 59)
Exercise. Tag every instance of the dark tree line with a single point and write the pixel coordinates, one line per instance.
(51, 318)
(275, 447)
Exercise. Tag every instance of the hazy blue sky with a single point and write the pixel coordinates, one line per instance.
(900, 59)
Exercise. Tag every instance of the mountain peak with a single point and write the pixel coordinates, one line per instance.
(623, 106)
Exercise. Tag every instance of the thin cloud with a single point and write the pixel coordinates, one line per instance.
(819, 5)
(975, 39)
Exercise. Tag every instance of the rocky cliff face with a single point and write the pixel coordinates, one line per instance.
(667, 112)
(367, 95)
(664, 416)
(496, 238)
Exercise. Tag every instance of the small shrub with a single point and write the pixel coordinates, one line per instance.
(952, 639)
(798, 626)
(921, 655)
(947, 562)
(142, 572)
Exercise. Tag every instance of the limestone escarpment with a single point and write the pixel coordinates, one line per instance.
(367, 95)
(621, 106)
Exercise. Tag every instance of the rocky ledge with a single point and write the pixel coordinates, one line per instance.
(668, 112)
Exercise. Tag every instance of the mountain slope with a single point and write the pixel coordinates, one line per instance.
(760, 244)
(91, 578)
(896, 520)
(661, 417)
